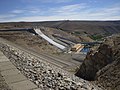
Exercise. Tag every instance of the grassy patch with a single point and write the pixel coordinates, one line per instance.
(96, 37)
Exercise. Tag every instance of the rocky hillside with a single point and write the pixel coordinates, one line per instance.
(109, 76)
(94, 61)
(103, 65)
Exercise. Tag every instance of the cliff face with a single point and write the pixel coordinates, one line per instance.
(94, 61)
(103, 65)
(109, 76)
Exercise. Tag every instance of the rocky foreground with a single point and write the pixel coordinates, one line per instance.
(103, 65)
(43, 74)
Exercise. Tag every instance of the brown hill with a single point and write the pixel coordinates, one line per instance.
(89, 27)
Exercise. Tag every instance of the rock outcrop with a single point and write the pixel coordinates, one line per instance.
(94, 61)
(109, 76)
(103, 65)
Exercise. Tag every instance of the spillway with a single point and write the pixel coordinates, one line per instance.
(38, 31)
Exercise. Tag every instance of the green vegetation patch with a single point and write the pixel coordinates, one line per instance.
(96, 37)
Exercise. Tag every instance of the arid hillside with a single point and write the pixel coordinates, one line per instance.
(77, 27)
(90, 27)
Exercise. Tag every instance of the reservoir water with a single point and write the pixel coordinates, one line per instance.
(85, 50)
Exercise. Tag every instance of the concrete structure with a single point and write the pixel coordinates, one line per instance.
(13, 77)
(38, 31)
(77, 47)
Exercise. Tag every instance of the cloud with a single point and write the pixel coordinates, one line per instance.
(70, 12)
(18, 11)
(33, 10)
(6, 16)
(83, 11)
(68, 17)
(105, 12)
(70, 8)
(48, 1)
(56, 1)
(26, 11)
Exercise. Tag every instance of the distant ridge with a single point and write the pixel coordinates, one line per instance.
(90, 27)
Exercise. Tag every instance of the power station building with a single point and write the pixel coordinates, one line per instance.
(77, 47)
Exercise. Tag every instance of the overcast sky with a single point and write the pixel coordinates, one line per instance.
(47, 10)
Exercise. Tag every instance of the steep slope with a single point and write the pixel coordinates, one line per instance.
(109, 76)
(94, 61)
(103, 65)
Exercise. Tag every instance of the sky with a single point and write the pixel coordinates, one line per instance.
(52, 10)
